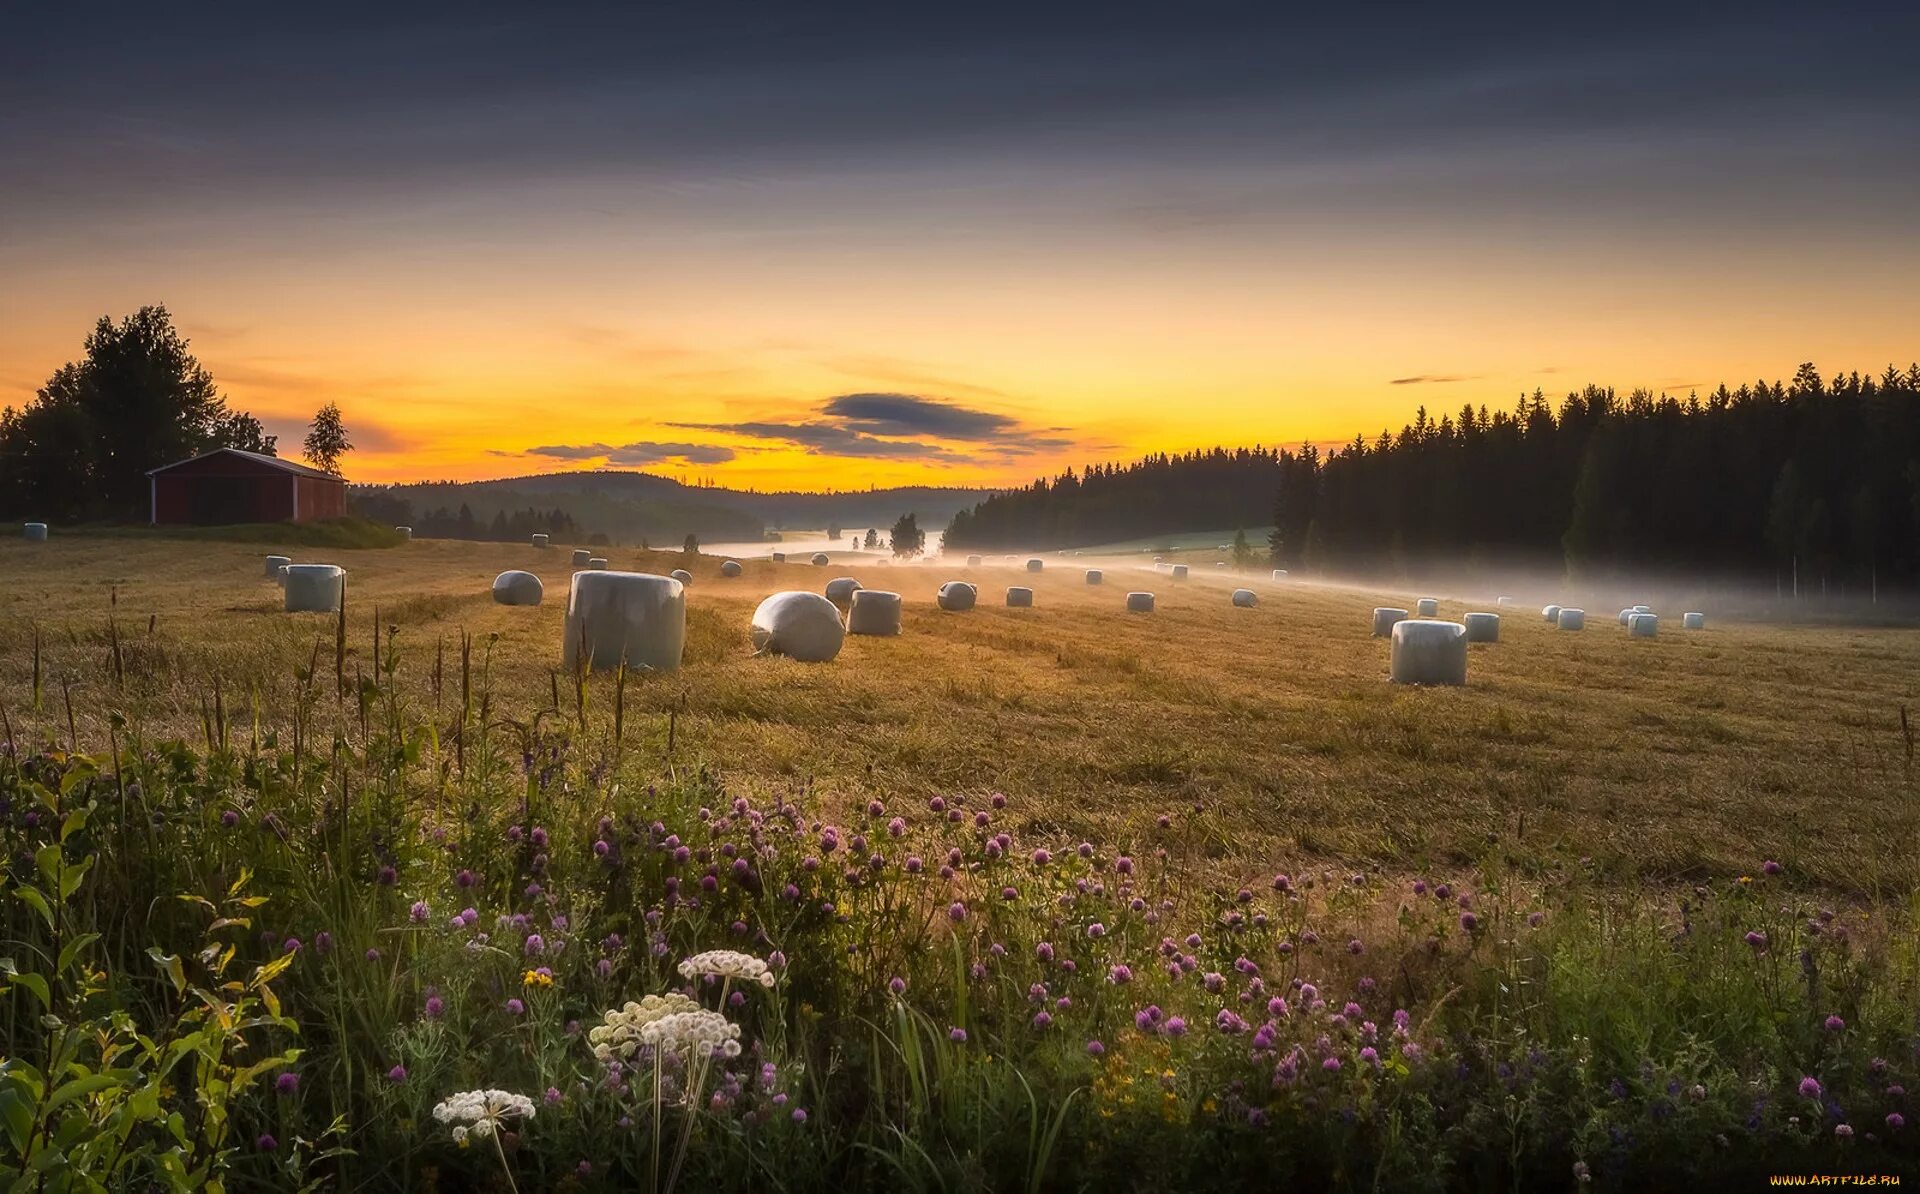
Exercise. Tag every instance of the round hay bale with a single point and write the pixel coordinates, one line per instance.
(1693, 620)
(1219, 563)
(1643, 609)
(405, 533)
(1036, 564)
(280, 575)
(1427, 607)
(1245, 598)
(1429, 652)
(580, 557)
(778, 557)
(635, 618)
(514, 587)
(540, 540)
(840, 589)
(730, 567)
(35, 532)
(973, 561)
(1279, 574)
(276, 563)
(1139, 603)
(682, 575)
(1626, 615)
(1643, 626)
(1162, 568)
(597, 564)
(957, 595)
(1158, 559)
(1571, 619)
(802, 626)
(1096, 577)
(1503, 602)
(1482, 628)
(820, 559)
(1385, 618)
(874, 611)
(1551, 613)
(314, 588)
(1179, 572)
(1019, 597)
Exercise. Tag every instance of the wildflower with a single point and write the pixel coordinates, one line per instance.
(1895, 1121)
(515, 1007)
(1469, 921)
(1042, 1018)
(618, 1036)
(799, 1115)
(897, 985)
(700, 1032)
(1355, 947)
(465, 878)
(1809, 1088)
(1757, 940)
(1176, 1026)
(229, 819)
(266, 1143)
(1835, 1024)
(1771, 867)
(1581, 1173)
(1042, 857)
(552, 1097)
(540, 977)
(728, 964)
(956, 911)
(1096, 1049)
(957, 1035)
(397, 1074)
(387, 876)
(287, 1084)
(481, 1112)
(1120, 974)
(1843, 1131)
(1331, 1065)
(1536, 919)
(1096, 930)
(419, 912)
(1043, 951)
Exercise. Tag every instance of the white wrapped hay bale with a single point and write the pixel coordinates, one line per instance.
(1219, 563)
(1643, 609)
(1385, 618)
(1571, 619)
(802, 626)
(874, 611)
(973, 561)
(280, 575)
(1643, 626)
(540, 540)
(1139, 603)
(1162, 568)
(1096, 577)
(1429, 652)
(1482, 628)
(1693, 620)
(275, 564)
(778, 557)
(820, 559)
(314, 588)
(1551, 613)
(405, 533)
(35, 532)
(1019, 596)
(1427, 607)
(1179, 572)
(597, 563)
(1245, 598)
(514, 587)
(580, 557)
(1036, 564)
(632, 617)
(1503, 602)
(1279, 574)
(682, 575)
(730, 567)
(957, 595)
(840, 589)
(1626, 615)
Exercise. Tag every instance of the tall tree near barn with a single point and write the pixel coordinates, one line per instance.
(327, 440)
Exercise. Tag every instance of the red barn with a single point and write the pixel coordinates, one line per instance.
(228, 485)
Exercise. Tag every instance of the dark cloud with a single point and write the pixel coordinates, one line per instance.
(1432, 379)
(636, 455)
(829, 439)
(901, 427)
(910, 414)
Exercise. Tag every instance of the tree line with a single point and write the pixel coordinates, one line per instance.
(1817, 477)
(440, 522)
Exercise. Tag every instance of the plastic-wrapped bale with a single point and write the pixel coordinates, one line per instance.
(1643, 609)
(1644, 626)
(1385, 618)
(1019, 596)
(276, 563)
(820, 559)
(35, 532)
(1160, 567)
(802, 626)
(540, 540)
(1219, 563)
(1427, 607)
(973, 561)
(1036, 564)
(1245, 598)
(874, 611)
(280, 575)
(635, 617)
(1179, 572)
(1482, 628)
(580, 557)
(957, 595)
(1096, 577)
(1158, 559)
(840, 589)
(1693, 620)
(597, 564)
(730, 567)
(1426, 651)
(405, 533)
(1503, 602)
(1551, 613)
(1571, 619)
(1139, 603)
(1279, 574)
(517, 588)
(682, 575)
(314, 588)
(1626, 615)
(778, 557)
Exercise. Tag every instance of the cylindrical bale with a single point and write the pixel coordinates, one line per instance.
(1140, 603)
(314, 588)
(1643, 609)
(778, 557)
(1385, 618)
(1551, 613)
(1429, 652)
(874, 611)
(840, 589)
(802, 626)
(1693, 620)
(280, 575)
(540, 540)
(275, 563)
(1279, 574)
(1503, 602)
(1219, 563)
(1158, 559)
(35, 532)
(1096, 577)
(635, 617)
(405, 533)
(1644, 626)
(580, 557)
(1482, 628)
(1626, 615)
(957, 595)
(1571, 619)
(730, 567)
(973, 561)
(1179, 572)
(1019, 596)
(1160, 567)
(597, 564)
(1245, 598)
(1035, 565)
(514, 587)
(1427, 607)
(682, 575)
(820, 559)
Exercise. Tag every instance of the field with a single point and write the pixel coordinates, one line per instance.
(1049, 898)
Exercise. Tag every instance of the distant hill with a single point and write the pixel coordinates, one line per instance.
(626, 507)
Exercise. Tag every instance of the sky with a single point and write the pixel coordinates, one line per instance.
(831, 245)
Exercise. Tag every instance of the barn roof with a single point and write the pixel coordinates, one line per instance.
(285, 466)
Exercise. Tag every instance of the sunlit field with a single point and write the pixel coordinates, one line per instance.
(1060, 897)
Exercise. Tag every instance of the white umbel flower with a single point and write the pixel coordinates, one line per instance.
(727, 963)
(481, 1112)
(619, 1036)
(701, 1033)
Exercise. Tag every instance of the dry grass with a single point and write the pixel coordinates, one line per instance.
(1269, 734)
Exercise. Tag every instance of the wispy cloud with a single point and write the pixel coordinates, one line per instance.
(1432, 379)
(635, 455)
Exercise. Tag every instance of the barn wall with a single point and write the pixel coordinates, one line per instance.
(223, 488)
(321, 499)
